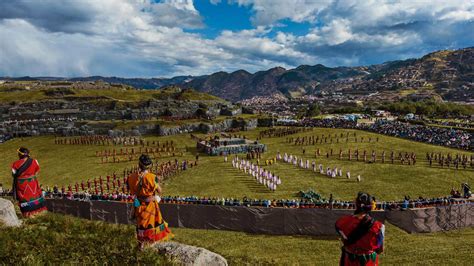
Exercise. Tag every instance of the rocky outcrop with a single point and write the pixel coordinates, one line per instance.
(59, 111)
(251, 124)
(265, 122)
(209, 127)
(7, 214)
(189, 255)
(216, 127)
(174, 130)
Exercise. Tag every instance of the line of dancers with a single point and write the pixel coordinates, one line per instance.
(305, 164)
(260, 174)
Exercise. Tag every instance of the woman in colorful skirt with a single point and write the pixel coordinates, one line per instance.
(144, 186)
(362, 236)
(26, 188)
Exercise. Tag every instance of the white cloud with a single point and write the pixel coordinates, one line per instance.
(254, 44)
(336, 32)
(268, 12)
(26, 49)
(124, 40)
(360, 13)
(176, 13)
(121, 39)
(458, 15)
(144, 38)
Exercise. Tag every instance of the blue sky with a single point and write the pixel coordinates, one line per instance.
(222, 16)
(164, 38)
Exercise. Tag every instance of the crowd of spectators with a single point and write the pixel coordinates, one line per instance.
(429, 134)
(282, 203)
(448, 137)
(327, 122)
(302, 202)
(5, 137)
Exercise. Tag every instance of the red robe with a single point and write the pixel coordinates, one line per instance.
(365, 250)
(28, 190)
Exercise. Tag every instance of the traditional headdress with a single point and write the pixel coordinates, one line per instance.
(23, 152)
(144, 161)
(363, 202)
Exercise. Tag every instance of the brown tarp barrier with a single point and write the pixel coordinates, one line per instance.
(76, 208)
(273, 221)
(113, 212)
(436, 219)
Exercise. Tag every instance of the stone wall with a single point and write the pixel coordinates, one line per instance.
(224, 125)
(67, 118)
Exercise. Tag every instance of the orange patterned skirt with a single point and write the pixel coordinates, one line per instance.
(150, 224)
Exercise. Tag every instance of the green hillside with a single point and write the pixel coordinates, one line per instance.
(65, 164)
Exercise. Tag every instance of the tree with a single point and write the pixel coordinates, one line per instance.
(313, 110)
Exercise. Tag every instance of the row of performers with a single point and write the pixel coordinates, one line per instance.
(409, 158)
(131, 157)
(335, 135)
(97, 190)
(281, 132)
(133, 151)
(449, 160)
(115, 183)
(100, 140)
(299, 162)
(313, 140)
(106, 140)
(165, 169)
(261, 175)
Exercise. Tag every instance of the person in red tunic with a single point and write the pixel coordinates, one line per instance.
(362, 236)
(26, 188)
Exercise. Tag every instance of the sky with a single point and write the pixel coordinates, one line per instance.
(165, 38)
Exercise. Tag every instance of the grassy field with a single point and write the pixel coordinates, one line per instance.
(121, 94)
(58, 239)
(447, 248)
(67, 239)
(64, 164)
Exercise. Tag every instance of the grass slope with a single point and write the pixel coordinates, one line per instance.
(63, 164)
(58, 239)
(401, 248)
(121, 94)
(67, 240)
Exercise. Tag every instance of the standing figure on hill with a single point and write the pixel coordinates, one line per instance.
(144, 187)
(26, 188)
(362, 236)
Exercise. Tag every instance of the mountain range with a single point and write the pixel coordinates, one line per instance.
(448, 74)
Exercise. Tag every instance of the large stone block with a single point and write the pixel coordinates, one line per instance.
(189, 255)
(7, 214)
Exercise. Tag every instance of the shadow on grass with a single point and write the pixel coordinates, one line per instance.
(193, 150)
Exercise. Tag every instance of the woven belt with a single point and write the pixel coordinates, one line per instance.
(361, 258)
(26, 179)
(147, 199)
